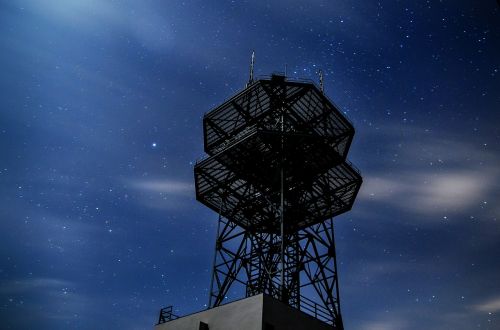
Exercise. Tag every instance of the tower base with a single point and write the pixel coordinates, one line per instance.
(259, 312)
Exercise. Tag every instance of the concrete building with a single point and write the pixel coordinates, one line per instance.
(259, 312)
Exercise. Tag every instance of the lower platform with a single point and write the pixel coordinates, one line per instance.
(259, 312)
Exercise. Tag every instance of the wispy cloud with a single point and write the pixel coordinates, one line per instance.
(489, 306)
(149, 28)
(432, 174)
(165, 194)
(389, 323)
(403, 317)
(166, 186)
(44, 298)
(33, 284)
(431, 192)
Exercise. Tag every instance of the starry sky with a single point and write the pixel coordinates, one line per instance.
(100, 126)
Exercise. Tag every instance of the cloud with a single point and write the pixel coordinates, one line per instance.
(430, 192)
(33, 284)
(490, 306)
(40, 299)
(385, 324)
(166, 186)
(426, 173)
(403, 317)
(164, 194)
(148, 27)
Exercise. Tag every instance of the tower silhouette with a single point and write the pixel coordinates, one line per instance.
(277, 175)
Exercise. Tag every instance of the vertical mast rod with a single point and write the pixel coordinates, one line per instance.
(252, 64)
(321, 86)
(282, 210)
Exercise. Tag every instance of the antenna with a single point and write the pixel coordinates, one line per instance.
(321, 87)
(252, 63)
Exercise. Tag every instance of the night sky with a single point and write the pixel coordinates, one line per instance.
(100, 126)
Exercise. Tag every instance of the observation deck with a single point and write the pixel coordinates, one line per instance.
(277, 138)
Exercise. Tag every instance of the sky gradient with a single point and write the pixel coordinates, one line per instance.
(100, 127)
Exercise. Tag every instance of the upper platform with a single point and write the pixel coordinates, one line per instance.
(262, 106)
(277, 144)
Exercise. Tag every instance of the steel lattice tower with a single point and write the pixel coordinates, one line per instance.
(277, 174)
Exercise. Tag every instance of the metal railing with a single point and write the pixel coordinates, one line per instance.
(166, 315)
(319, 312)
(307, 306)
(352, 165)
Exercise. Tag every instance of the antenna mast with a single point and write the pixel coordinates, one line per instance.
(252, 63)
(321, 86)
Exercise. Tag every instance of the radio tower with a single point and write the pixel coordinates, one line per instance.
(277, 175)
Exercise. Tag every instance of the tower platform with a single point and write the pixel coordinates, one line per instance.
(260, 312)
